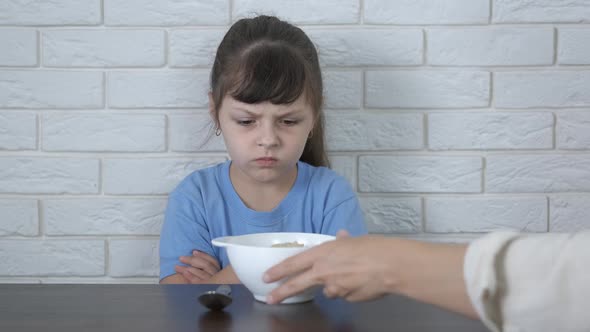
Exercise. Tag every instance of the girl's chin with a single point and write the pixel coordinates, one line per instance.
(269, 175)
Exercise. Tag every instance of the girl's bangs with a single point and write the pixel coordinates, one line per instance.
(268, 72)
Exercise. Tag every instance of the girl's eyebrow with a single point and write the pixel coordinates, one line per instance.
(246, 111)
(291, 112)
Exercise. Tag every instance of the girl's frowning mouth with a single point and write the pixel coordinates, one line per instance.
(266, 161)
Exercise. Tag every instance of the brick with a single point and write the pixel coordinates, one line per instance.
(166, 12)
(157, 176)
(345, 166)
(426, 11)
(548, 11)
(392, 214)
(342, 89)
(368, 47)
(104, 132)
(301, 12)
(32, 175)
(18, 131)
(173, 88)
(19, 217)
(51, 89)
(542, 89)
(490, 46)
(50, 12)
(362, 131)
(427, 89)
(52, 257)
(194, 48)
(190, 133)
(572, 130)
(103, 48)
(574, 46)
(19, 47)
(103, 216)
(537, 173)
(134, 258)
(490, 130)
(569, 213)
(480, 215)
(411, 174)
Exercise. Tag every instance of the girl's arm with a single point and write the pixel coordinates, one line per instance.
(174, 279)
(185, 232)
(201, 269)
(225, 276)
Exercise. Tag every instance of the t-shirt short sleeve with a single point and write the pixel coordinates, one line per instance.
(184, 230)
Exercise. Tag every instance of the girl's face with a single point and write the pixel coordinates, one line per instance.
(265, 140)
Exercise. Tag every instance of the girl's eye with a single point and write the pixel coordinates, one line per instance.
(288, 122)
(244, 122)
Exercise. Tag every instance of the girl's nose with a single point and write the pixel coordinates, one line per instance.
(268, 136)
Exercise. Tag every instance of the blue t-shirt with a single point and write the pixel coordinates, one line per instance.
(205, 206)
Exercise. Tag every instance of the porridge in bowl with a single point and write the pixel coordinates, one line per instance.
(293, 244)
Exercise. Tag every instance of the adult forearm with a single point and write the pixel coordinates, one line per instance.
(433, 273)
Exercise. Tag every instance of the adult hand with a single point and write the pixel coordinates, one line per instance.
(200, 267)
(352, 268)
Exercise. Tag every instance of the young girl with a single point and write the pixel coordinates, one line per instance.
(266, 100)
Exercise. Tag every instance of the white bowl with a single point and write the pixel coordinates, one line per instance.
(251, 255)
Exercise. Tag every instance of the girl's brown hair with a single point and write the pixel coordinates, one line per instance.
(265, 59)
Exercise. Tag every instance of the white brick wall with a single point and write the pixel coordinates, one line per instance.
(485, 46)
(103, 48)
(369, 47)
(22, 44)
(160, 89)
(426, 89)
(51, 89)
(450, 118)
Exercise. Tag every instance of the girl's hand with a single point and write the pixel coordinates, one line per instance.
(352, 268)
(200, 267)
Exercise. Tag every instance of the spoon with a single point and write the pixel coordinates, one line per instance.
(217, 299)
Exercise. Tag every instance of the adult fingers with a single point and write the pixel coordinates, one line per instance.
(292, 287)
(293, 265)
(332, 291)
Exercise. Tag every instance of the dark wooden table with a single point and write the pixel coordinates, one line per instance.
(143, 308)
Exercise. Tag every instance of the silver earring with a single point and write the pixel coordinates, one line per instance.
(217, 131)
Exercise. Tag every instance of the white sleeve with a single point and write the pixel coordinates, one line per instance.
(532, 282)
